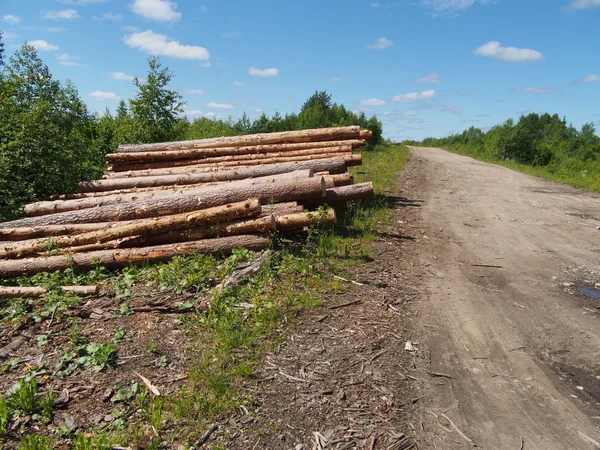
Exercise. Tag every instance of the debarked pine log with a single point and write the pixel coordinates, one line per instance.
(332, 165)
(226, 151)
(349, 160)
(114, 259)
(156, 225)
(59, 206)
(37, 292)
(282, 191)
(341, 195)
(313, 135)
(298, 221)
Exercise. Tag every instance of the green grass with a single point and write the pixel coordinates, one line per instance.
(241, 324)
(571, 171)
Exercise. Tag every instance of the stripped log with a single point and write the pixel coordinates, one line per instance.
(114, 259)
(285, 137)
(192, 200)
(341, 195)
(227, 151)
(332, 165)
(281, 208)
(238, 160)
(366, 135)
(298, 221)
(154, 225)
(59, 206)
(37, 292)
(349, 160)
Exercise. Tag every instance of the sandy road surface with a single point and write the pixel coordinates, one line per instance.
(521, 344)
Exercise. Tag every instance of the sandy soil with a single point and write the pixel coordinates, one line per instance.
(501, 314)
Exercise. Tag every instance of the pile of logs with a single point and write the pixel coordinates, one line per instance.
(160, 200)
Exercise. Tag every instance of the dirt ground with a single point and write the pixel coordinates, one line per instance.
(467, 329)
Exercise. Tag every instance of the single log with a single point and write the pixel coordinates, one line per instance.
(58, 206)
(277, 208)
(37, 292)
(154, 225)
(192, 200)
(226, 151)
(341, 195)
(354, 160)
(114, 259)
(285, 137)
(25, 233)
(333, 165)
(342, 179)
(349, 159)
(298, 221)
(237, 159)
(253, 226)
(366, 135)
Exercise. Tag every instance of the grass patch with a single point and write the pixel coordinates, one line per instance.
(230, 338)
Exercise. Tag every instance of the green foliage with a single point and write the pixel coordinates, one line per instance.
(35, 442)
(542, 145)
(97, 356)
(5, 414)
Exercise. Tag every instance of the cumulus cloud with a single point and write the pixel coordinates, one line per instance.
(159, 10)
(429, 78)
(10, 19)
(372, 102)
(493, 49)
(381, 44)
(272, 72)
(65, 14)
(576, 5)
(592, 78)
(193, 91)
(43, 46)
(121, 76)
(64, 59)
(219, 106)
(453, 6)
(106, 96)
(238, 83)
(534, 90)
(160, 45)
(415, 96)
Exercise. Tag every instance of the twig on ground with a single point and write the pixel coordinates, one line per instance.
(466, 438)
(522, 444)
(343, 305)
(348, 281)
(293, 378)
(207, 435)
(439, 375)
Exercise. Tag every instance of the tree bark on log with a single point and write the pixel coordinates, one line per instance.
(285, 137)
(192, 200)
(37, 292)
(332, 165)
(343, 179)
(298, 221)
(60, 206)
(341, 195)
(155, 225)
(115, 259)
(342, 151)
(128, 158)
(349, 159)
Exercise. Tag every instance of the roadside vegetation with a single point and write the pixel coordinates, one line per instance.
(540, 145)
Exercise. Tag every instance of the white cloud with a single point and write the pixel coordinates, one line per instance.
(372, 102)
(429, 78)
(10, 19)
(592, 78)
(65, 14)
(533, 90)
(258, 111)
(415, 96)
(159, 10)
(219, 106)
(112, 16)
(272, 72)
(193, 91)
(130, 28)
(238, 83)
(335, 79)
(445, 108)
(192, 112)
(410, 112)
(231, 34)
(453, 6)
(106, 96)
(81, 2)
(583, 4)
(121, 76)
(381, 44)
(43, 46)
(493, 49)
(205, 64)
(159, 45)
(64, 59)
(203, 8)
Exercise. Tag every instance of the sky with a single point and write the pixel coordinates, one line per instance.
(426, 68)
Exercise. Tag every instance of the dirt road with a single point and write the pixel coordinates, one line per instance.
(500, 311)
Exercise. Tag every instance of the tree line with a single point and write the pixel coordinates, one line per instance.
(50, 141)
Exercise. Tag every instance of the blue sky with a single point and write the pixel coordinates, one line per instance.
(425, 67)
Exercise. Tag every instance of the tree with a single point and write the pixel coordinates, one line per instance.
(156, 109)
(1, 49)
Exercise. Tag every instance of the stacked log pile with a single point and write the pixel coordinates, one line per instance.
(160, 200)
